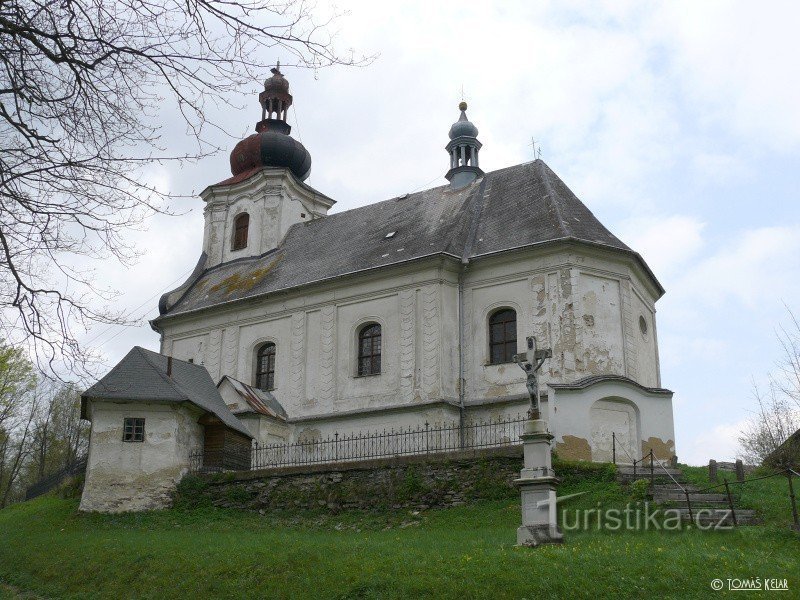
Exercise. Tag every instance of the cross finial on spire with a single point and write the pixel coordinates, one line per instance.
(537, 149)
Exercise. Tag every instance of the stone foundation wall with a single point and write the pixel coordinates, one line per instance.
(404, 482)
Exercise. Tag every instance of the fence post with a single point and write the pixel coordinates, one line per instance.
(427, 438)
(739, 470)
(652, 472)
(614, 447)
(634, 468)
(730, 501)
(792, 499)
(689, 505)
(336, 445)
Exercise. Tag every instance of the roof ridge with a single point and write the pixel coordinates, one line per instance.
(476, 212)
(170, 381)
(551, 196)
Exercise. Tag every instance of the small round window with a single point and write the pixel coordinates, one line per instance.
(643, 325)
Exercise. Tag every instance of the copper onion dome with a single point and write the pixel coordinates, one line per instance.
(271, 145)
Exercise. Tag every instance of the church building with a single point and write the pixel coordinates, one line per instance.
(410, 310)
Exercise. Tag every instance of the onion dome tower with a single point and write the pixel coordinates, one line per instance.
(463, 150)
(271, 145)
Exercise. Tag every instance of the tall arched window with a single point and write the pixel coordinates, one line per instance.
(369, 350)
(265, 367)
(240, 226)
(502, 336)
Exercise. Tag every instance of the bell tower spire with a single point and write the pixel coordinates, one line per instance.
(463, 150)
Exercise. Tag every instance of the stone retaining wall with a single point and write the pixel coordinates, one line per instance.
(417, 482)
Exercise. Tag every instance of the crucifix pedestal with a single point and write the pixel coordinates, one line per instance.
(537, 481)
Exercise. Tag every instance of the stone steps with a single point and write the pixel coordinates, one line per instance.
(669, 492)
(722, 516)
(658, 478)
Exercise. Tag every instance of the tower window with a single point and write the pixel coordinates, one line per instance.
(240, 226)
(502, 336)
(265, 367)
(369, 350)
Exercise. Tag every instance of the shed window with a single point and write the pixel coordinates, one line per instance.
(369, 350)
(502, 336)
(240, 227)
(133, 430)
(265, 367)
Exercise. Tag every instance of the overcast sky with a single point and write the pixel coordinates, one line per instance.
(677, 124)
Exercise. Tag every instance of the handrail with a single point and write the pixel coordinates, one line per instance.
(725, 483)
(652, 477)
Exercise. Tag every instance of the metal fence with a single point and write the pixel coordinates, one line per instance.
(419, 440)
(44, 485)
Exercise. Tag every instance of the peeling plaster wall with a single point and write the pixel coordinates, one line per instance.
(587, 417)
(582, 303)
(132, 476)
(584, 307)
(316, 341)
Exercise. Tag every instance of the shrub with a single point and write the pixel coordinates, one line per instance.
(639, 489)
(191, 493)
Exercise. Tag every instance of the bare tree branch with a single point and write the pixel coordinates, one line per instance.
(80, 83)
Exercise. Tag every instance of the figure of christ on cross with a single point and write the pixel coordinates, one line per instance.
(530, 362)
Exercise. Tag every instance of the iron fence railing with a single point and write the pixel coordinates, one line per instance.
(420, 440)
(44, 485)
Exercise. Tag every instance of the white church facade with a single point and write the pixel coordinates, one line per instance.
(409, 310)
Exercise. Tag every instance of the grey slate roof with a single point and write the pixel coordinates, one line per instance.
(142, 376)
(523, 205)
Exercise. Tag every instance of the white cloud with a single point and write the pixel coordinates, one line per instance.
(719, 443)
(666, 243)
(760, 264)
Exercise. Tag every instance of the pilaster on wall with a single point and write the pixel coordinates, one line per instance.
(560, 300)
(631, 365)
(407, 354)
(214, 354)
(431, 342)
(297, 391)
(230, 342)
(327, 358)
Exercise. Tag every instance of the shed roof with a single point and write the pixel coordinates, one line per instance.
(259, 401)
(141, 376)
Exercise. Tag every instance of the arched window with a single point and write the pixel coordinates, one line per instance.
(369, 350)
(502, 336)
(240, 225)
(265, 367)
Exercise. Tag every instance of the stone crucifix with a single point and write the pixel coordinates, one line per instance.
(530, 362)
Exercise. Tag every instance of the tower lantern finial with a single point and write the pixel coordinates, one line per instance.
(275, 99)
(463, 150)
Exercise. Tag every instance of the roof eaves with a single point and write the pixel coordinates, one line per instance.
(575, 240)
(309, 283)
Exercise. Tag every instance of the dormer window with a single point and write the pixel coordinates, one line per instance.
(240, 226)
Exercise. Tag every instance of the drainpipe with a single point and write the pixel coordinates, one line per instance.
(461, 382)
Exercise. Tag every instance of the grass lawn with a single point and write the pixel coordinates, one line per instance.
(48, 549)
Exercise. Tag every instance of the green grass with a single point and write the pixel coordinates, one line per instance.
(49, 549)
(769, 497)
